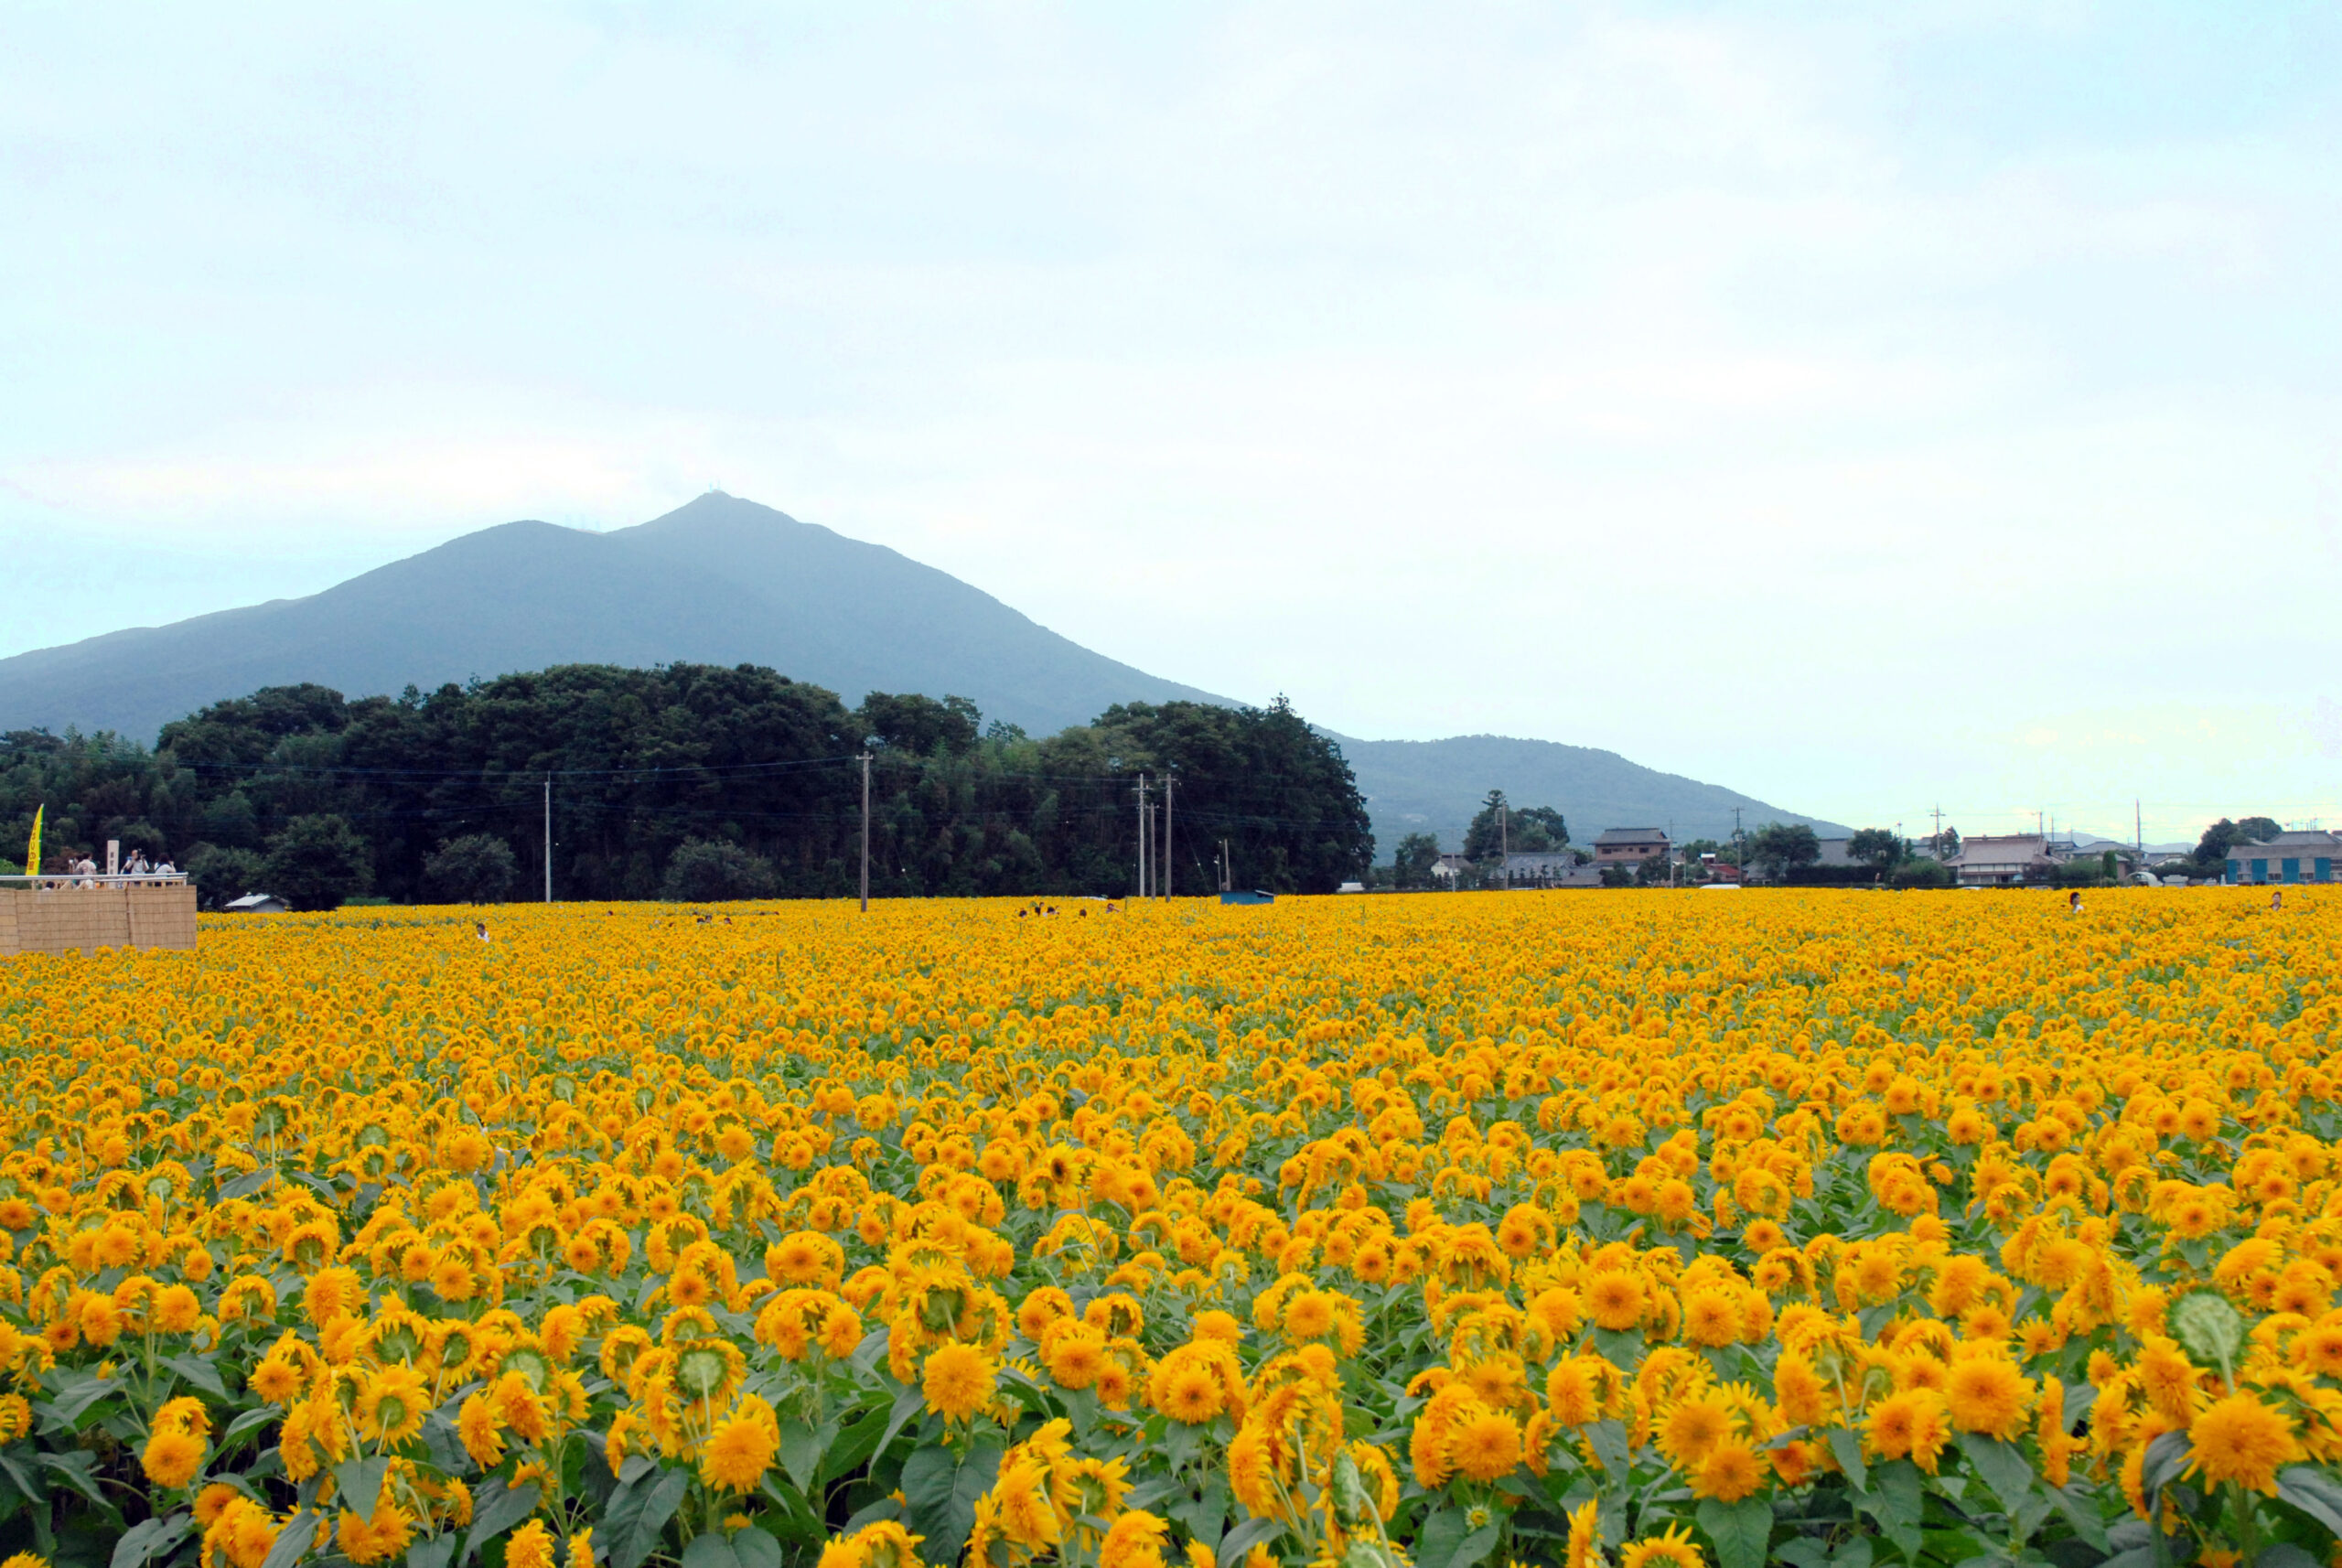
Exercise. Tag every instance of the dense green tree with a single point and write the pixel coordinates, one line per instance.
(477, 868)
(1498, 826)
(1260, 778)
(2084, 871)
(642, 761)
(2213, 848)
(1411, 862)
(1920, 872)
(1779, 848)
(1877, 847)
(706, 871)
(917, 725)
(222, 872)
(316, 861)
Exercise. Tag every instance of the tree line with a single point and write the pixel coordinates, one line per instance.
(686, 781)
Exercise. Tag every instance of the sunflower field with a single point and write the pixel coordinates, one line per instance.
(1838, 1229)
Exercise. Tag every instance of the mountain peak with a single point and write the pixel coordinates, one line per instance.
(725, 580)
(719, 580)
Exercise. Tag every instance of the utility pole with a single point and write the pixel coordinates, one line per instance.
(1938, 839)
(2139, 830)
(866, 833)
(1504, 841)
(1739, 850)
(548, 838)
(1169, 872)
(1142, 835)
(1226, 869)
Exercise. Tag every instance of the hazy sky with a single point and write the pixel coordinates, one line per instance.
(1866, 407)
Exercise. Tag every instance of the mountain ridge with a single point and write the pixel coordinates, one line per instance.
(1412, 790)
(797, 597)
(723, 580)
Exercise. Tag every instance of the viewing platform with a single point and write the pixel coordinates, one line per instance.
(62, 913)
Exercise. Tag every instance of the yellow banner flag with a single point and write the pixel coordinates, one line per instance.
(32, 850)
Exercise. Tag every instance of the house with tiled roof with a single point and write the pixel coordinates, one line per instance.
(1988, 861)
(2299, 855)
(1629, 846)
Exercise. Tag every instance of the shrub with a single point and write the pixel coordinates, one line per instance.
(708, 871)
(477, 868)
(316, 861)
(220, 872)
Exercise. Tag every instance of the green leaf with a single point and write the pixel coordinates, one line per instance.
(1473, 1547)
(940, 1496)
(293, 1541)
(2166, 1461)
(855, 1447)
(2078, 1398)
(1609, 1439)
(1252, 1532)
(1740, 1532)
(1205, 1517)
(639, 1510)
(2002, 1467)
(801, 1448)
(66, 1409)
(27, 1481)
(245, 1185)
(2284, 1554)
(1847, 1447)
(497, 1508)
(749, 1548)
(251, 1419)
(756, 1548)
(797, 1523)
(1622, 1347)
(1896, 1502)
(435, 1552)
(867, 1355)
(907, 1403)
(78, 1468)
(199, 1372)
(885, 1507)
(150, 1539)
(360, 1483)
(2082, 1513)
(2314, 1493)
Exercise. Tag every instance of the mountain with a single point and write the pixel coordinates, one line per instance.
(720, 581)
(1435, 786)
(725, 581)
(2092, 844)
